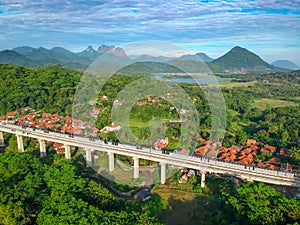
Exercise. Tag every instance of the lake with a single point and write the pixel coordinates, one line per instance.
(193, 80)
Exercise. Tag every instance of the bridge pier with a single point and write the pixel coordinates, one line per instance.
(67, 151)
(162, 172)
(20, 143)
(1, 139)
(111, 161)
(203, 179)
(43, 152)
(88, 157)
(136, 169)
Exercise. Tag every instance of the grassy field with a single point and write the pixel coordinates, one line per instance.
(271, 103)
(237, 84)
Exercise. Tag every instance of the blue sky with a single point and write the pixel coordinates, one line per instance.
(270, 28)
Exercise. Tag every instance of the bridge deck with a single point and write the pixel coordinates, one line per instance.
(203, 164)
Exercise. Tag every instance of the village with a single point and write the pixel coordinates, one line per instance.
(254, 154)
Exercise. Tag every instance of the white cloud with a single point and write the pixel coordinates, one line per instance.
(271, 22)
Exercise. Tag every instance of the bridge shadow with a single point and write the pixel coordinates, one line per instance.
(198, 206)
(2, 149)
(107, 175)
(197, 211)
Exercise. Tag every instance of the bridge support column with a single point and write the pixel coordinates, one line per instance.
(1, 139)
(111, 161)
(42, 148)
(68, 151)
(88, 158)
(20, 143)
(203, 179)
(162, 172)
(136, 169)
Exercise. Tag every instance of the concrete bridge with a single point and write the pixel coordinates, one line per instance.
(205, 165)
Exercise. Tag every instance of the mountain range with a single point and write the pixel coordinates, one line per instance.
(237, 60)
(286, 64)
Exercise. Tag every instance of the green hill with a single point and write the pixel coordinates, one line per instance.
(239, 58)
(149, 67)
(12, 57)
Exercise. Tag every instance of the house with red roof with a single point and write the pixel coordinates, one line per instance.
(95, 112)
(286, 166)
(104, 98)
(268, 149)
(12, 115)
(250, 142)
(284, 152)
(161, 143)
(139, 103)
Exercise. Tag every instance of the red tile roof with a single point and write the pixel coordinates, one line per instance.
(57, 145)
(11, 114)
(271, 148)
(286, 166)
(274, 160)
(250, 142)
(60, 150)
(284, 151)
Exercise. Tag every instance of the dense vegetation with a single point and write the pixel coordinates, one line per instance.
(257, 203)
(249, 204)
(50, 88)
(57, 191)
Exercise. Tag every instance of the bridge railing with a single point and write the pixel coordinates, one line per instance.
(22, 130)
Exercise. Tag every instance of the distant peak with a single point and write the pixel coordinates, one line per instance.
(105, 48)
(117, 51)
(241, 59)
(283, 63)
(41, 48)
(239, 48)
(89, 49)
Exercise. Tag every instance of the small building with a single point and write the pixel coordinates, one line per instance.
(250, 142)
(284, 152)
(112, 127)
(12, 115)
(117, 102)
(161, 143)
(104, 98)
(268, 149)
(286, 166)
(95, 112)
(139, 103)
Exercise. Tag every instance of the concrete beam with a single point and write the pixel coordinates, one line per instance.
(67, 151)
(203, 179)
(88, 158)
(20, 143)
(136, 169)
(2, 143)
(111, 161)
(43, 152)
(162, 172)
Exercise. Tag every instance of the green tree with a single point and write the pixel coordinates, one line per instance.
(257, 203)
